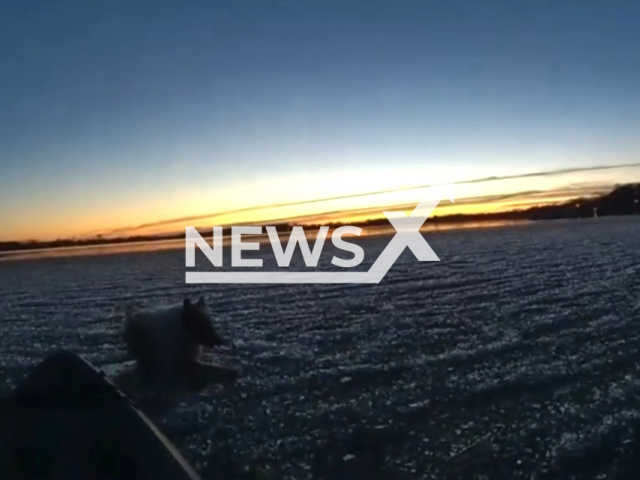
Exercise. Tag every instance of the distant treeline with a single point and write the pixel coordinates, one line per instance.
(622, 200)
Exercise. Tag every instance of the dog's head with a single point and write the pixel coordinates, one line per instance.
(198, 325)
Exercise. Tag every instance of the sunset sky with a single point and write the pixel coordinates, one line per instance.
(116, 114)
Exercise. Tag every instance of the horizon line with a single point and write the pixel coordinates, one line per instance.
(257, 208)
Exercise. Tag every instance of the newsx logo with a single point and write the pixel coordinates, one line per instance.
(407, 235)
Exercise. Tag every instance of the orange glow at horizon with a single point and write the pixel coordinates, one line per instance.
(195, 201)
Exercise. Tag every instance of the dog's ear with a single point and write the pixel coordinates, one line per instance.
(188, 315)
(201, 302)
(187, 308)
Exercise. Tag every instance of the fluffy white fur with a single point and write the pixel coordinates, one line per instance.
(156, 337)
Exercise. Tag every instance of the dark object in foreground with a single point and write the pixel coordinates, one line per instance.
(68, 421)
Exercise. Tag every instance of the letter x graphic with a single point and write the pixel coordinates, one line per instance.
(408, 231)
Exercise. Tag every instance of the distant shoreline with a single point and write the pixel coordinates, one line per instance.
(373, 228)
(178, 243)
(622, 200)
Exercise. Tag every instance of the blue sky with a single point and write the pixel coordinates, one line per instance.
(117, 113)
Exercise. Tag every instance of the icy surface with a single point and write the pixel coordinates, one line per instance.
(516, 356)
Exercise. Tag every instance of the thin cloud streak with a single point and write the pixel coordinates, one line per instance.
(533, 195)
(257, 208)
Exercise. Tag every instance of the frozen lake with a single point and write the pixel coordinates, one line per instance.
(516, 355)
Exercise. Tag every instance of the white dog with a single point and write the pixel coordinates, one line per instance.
(166, 342)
